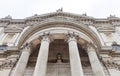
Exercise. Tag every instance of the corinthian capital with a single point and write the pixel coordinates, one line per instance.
(27, 47)
(46, 37)
(71, 36)
(90, 47)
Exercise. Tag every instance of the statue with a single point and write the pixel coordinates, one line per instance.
(8, 17)
(59, 58)
(59, 10)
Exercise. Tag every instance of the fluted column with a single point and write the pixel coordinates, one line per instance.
(94, 61)
(75, 61)
(41, 64)
(22, 63)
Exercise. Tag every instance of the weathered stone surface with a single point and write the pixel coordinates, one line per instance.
(60, 58)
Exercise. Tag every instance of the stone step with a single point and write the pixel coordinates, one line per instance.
(60, 70)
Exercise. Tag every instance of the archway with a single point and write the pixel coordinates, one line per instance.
(40, 27)
(58, 31)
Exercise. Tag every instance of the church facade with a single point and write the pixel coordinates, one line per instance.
(60, 44)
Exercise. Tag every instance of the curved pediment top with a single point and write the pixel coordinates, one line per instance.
(59, 14)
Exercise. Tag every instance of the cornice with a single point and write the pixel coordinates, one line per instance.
(77, 17)
(102, 25)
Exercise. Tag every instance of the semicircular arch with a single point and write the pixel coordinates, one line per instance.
(67, 24)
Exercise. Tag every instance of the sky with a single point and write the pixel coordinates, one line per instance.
(20, 9)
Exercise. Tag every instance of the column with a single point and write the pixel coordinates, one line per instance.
(95, 63)
(41, 64)
(75, 61)
(22, 63)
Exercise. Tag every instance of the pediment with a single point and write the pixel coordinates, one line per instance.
(58, 15)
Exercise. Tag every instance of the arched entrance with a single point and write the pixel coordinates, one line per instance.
(59, 26)
(62, 52)
(58, 63)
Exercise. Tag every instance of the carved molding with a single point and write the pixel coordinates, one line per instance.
(61, 15)
(12, 30)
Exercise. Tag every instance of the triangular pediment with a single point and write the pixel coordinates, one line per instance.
(57, 15)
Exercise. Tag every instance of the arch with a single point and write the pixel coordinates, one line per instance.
(59, 23)
(60, 32)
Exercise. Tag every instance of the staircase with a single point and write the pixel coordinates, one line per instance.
(87, 71)
(60, 69)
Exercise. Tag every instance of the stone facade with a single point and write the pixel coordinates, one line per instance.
(60, 44)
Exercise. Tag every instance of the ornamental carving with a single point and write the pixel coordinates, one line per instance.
(112, 65)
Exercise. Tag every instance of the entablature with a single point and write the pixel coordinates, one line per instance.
(62, 15)
(102, 25)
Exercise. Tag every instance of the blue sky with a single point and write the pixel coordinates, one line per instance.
(25, 8)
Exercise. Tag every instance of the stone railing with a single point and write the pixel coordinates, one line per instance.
(7, 64)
